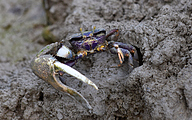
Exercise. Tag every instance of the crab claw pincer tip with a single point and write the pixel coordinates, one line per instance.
(74, 73)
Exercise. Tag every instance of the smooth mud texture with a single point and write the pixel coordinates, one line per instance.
(158, 89)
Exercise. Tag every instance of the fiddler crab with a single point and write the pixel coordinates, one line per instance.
(56, 59)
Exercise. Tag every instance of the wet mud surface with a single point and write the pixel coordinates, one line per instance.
(158, 89)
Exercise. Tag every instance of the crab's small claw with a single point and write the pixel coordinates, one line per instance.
(47, 67)
(123, 52)
(120, 53)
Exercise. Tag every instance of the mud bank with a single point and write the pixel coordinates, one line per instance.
(158, 89)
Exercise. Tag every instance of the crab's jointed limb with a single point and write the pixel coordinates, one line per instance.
(47, 67)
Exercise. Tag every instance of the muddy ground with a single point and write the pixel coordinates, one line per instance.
(158, 89)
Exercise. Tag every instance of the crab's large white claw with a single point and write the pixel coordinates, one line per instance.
(46, 67)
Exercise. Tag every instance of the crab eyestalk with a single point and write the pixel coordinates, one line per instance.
(81, 30)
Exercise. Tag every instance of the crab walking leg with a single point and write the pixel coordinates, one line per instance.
(74, 73)
(112, 32)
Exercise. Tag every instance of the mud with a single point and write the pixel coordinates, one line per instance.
(158, 89)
